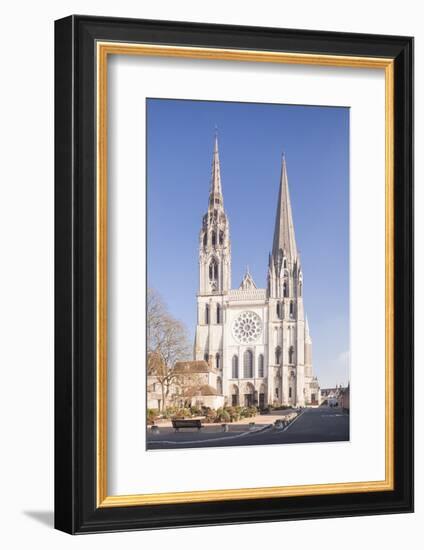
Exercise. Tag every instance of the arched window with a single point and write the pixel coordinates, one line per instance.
(261, 366)
(285, 289)
(213, 238)
(285, 263)
(219, 386)
(221, 237)
(279, 310)
(218, 361)
(291, 309)
(291, 355)
(205, 239)
(207, 314)
(234, 367)
(248, 364)
(206, 357)
(218, 314)
(213, 270)
(277, 355)
(300, 288)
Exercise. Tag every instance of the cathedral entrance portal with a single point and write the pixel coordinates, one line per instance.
(234, 396)
(248, 395)
(262, 397)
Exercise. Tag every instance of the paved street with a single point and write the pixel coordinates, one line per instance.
(312, 425)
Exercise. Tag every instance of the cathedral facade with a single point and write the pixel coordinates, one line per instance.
(257, 339)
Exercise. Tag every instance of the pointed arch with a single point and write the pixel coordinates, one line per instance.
(218, 361)
(207, 316)
(234, 395)
(248, 364)
(249, 394)
(218, 314)
(234, 367)
(261, 369)
(278, 355)
(291, 355)
(213, 269)
(213, 238)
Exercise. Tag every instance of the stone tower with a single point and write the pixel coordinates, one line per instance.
(287, 329)
(214, 272)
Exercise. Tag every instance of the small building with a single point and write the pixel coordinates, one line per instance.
(154, 395)
(332, 396)
(344, 400)
(197, 383)
(188, 383)
(314, 393)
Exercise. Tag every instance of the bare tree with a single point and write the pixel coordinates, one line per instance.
(187, 385)
(167, 343)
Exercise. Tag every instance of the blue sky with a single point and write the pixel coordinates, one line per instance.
(252, 137)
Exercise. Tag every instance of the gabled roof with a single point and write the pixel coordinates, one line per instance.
(201, 391)
(247, 283)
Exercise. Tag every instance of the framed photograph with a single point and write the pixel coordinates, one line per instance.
(234, 274)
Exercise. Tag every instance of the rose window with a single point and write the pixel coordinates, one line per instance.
(247, 327)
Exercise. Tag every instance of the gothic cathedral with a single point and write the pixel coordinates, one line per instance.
(257, 340)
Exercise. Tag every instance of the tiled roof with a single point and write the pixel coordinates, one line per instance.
(202, 391)
(192, 367)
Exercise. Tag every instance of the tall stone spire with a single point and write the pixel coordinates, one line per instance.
(214, 244)
(284, 238)
(307, 334)
(215, 195)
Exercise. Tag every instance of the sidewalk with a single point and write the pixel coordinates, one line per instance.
(261, 421)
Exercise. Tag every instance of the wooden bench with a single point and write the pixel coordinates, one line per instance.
(178, 423)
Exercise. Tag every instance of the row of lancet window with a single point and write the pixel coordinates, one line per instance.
(286, 289)
(247, 365)
(248, 362)
(278, 355)
(214, 238)
(280, 310)
(218, 315)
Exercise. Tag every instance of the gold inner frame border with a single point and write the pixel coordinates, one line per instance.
(103, 50)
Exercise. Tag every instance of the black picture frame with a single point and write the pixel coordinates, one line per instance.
(76, 508)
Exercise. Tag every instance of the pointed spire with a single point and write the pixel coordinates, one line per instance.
(284, 238)
(215, 196)
(307, 335)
